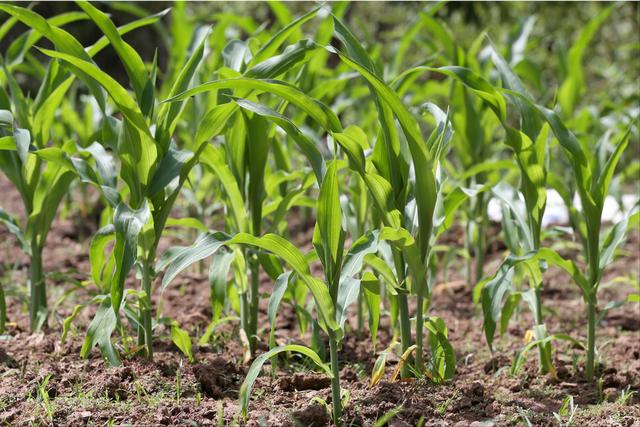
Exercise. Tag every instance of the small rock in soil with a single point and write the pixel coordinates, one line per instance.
(610, 394)
(312, 416)
(476, 390)
(482, 424)
(563, 373)
(348, 374)
(7, 360)
(495, 363)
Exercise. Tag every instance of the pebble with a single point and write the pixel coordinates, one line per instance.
(610, 394)
(487, 423)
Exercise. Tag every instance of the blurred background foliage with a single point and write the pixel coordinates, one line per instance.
(611, 65)
(613, 57)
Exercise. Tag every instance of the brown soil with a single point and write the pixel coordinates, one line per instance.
(45, 382)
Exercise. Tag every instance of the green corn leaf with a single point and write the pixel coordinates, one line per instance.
(124, 29)
(209, 243)
(182, 340)
(257, 151)
(319, 112)
(403, 240)
(573, 87)
(306, 145)
(383, 270)
(168, 169)
(63, 41)
(169, 113)
(214, 160)
(218, 272)
(105, 165)
(508, 309)
(520, 359)
(371, 292)
(45, 115)
(279, 289)
(329, 220)
(51, 187)
(479, 86)
(530, 120)
(533, 177)
(494, 290)
(425, 191)
(128, 224)
(206, 245)
(443, 357)
(606, 175)
(140, 151)
(292, 57)
(14, 228)
(15, 53)
(273, 44)
(354, 259)
(99, 333)
(347, 294)
(256, 366)
(354, 142)
(97, 258)
(613, 239)
(133, 64)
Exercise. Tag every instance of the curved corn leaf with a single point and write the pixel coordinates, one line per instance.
(290, 58)
(99, 263)
(133, 64)
(305, 144)
(63, 41)
(272, 45)
(319, 112)
(256, 366)
(443, 357)
(209, 243)
(12, 226)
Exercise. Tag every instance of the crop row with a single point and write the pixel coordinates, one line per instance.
(279, 123)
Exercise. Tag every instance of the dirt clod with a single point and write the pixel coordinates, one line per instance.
(312, 416)
(495, 363)
(301, 381)
(218, 378)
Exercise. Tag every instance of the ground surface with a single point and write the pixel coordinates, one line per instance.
(45, 382)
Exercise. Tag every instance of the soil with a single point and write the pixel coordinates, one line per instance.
(45, 382)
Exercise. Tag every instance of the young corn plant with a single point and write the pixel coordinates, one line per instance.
(35, 158)
(593, 174)
(530, 159)
(149, 162)
(42, 185)
(404, 183)
(242, 161)
(332, 296)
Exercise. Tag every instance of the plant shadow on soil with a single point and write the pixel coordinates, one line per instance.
(45, 382)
